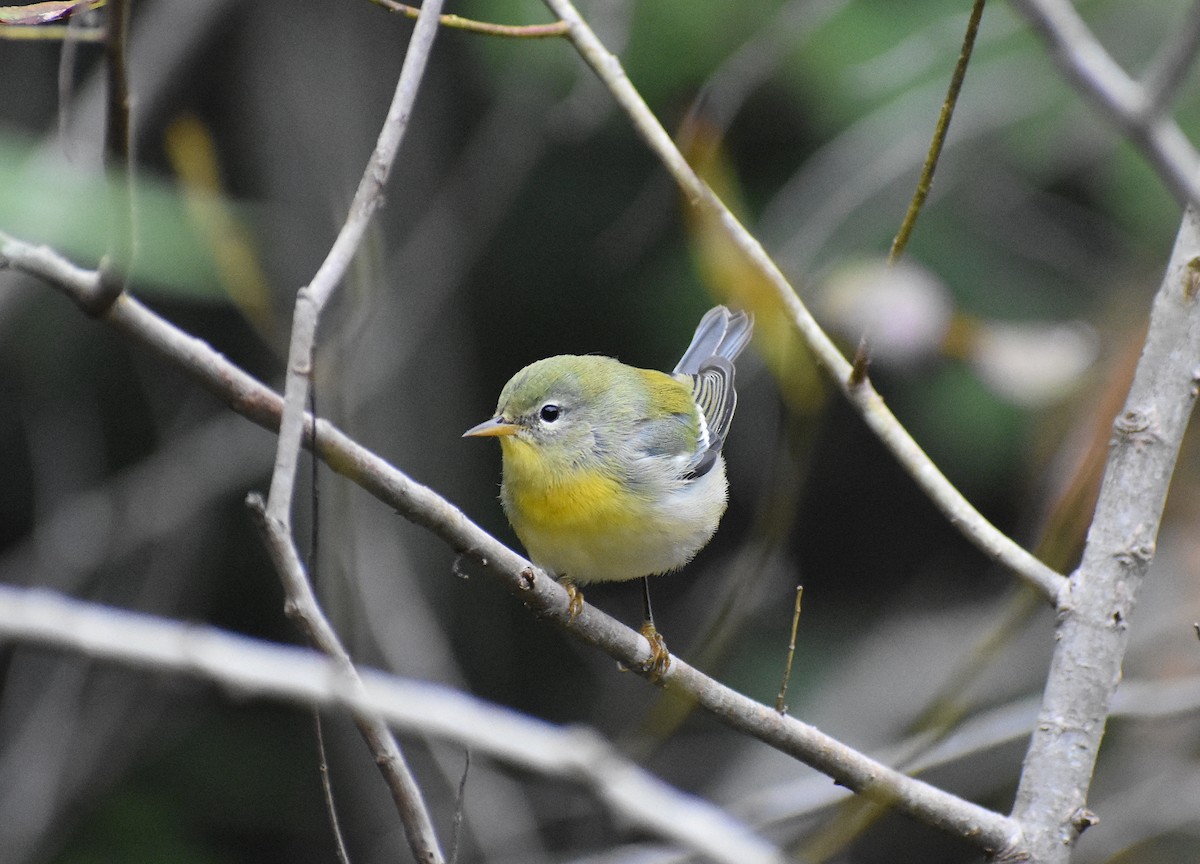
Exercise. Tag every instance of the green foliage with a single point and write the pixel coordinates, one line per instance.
(69, 208)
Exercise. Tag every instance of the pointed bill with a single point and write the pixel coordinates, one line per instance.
(489, 428)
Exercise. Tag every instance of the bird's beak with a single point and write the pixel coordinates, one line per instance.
(493, 427)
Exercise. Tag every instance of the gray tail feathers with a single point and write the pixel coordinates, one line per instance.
(720, 333)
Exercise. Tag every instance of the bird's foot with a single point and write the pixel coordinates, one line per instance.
(660, 657)
(574, 602)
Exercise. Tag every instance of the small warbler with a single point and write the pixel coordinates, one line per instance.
(614, 473)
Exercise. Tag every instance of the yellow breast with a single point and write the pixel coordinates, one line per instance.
(581, 523)
(562, 498)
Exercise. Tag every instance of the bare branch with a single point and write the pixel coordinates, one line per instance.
(543, 595)
(274, 518)
(1136, 701)
(249, 666)
(864, 397)
(312, 299)
(1172, 64)
(79, 284)
(1092, 628)
(303, 606)
(1083, 61)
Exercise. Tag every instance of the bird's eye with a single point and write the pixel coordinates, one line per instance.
(550, 412)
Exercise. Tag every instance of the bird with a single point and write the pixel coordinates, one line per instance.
(613, 473)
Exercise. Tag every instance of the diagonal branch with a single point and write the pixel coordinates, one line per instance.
(1083, 61)
(544, 596)
(862, 395)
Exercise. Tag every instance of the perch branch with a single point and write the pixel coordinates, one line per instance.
(549, 600)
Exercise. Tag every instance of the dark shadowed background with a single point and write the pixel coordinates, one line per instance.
(525, 218)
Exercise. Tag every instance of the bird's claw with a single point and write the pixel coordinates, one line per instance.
(574, 602)
(660, 657)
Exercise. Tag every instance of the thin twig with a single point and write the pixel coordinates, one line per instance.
(459, 805)
(339, 842)
(314, 557)
(780, 706)
(941, 130)
(486, 28)
(860, 364)
(118, 149)
(544, 596)
(863, 396)
(312, 299)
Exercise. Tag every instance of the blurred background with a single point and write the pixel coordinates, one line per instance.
(525, 218)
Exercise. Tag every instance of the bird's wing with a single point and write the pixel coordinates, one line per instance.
(712, 388)
(715, 396)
